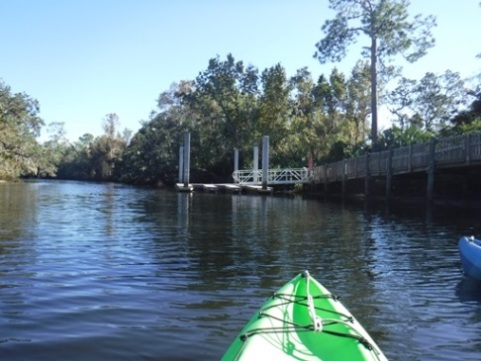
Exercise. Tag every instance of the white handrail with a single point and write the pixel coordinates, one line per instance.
(274, 176)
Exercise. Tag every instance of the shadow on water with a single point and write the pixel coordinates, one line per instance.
(469, 290)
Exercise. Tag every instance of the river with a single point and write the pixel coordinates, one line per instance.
(112, 272)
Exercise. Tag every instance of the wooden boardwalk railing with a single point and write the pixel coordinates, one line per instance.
(453, 151)
(449, 152)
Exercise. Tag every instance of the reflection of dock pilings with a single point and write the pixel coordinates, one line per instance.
(183, 205)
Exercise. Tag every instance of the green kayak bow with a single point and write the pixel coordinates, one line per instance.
(303, 321)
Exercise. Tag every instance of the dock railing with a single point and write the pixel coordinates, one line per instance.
(448, 152)
(274, 176)
(455, 151)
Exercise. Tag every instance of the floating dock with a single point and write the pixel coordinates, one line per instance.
(252, 185)
(210, 187)
(225, 187)
(181, 187)
(232, 188)
(258, 189)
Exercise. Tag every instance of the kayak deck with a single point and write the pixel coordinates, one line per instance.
(303, 321)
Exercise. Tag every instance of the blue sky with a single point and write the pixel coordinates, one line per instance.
(83, 59)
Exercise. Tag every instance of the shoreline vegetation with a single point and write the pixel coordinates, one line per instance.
(231, 106)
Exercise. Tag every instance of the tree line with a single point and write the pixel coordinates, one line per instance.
(230, 105)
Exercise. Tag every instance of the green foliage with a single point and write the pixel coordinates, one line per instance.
(275, 109)
(429, 103)
(468, 120)
(338, 151)
(152, 155)
(228, 107)
(223, 104)
(390, 31)
(439, 98)
(358, 105)
(473, 126)
(107, 150)
(19, 127)
(231, 106)
(396, 137)
(89, 158)
(305, 120)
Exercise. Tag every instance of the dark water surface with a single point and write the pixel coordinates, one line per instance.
(110, 272)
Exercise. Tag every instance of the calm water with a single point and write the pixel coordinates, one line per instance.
(109, 272)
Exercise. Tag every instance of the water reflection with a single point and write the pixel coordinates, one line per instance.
(183, 207)
(18, 206)
(155, 272)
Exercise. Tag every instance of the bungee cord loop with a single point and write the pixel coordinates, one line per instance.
(316, 320)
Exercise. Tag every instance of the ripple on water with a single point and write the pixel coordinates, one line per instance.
(108, 272)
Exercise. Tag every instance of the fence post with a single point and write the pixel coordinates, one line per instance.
(431, 169)
(256, 164)
(325, 178)
(410, 159)
(467, 148)
(389, 174)
(265, 161)
(366, 177)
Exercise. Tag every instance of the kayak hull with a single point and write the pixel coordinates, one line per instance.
(470, 254)
(303, 321)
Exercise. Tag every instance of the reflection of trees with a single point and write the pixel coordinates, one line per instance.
(18, 206)
(272, 238)
(18, 211)
(108, 208)
(296, 233)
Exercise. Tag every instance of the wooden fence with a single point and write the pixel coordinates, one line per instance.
(449, 152)
(453, 151)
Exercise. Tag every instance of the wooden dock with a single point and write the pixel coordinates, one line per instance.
(449, 154)
(224, 187)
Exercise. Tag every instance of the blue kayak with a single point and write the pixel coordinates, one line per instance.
(470, 253)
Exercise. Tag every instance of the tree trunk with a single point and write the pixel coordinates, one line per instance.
(374, 91)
